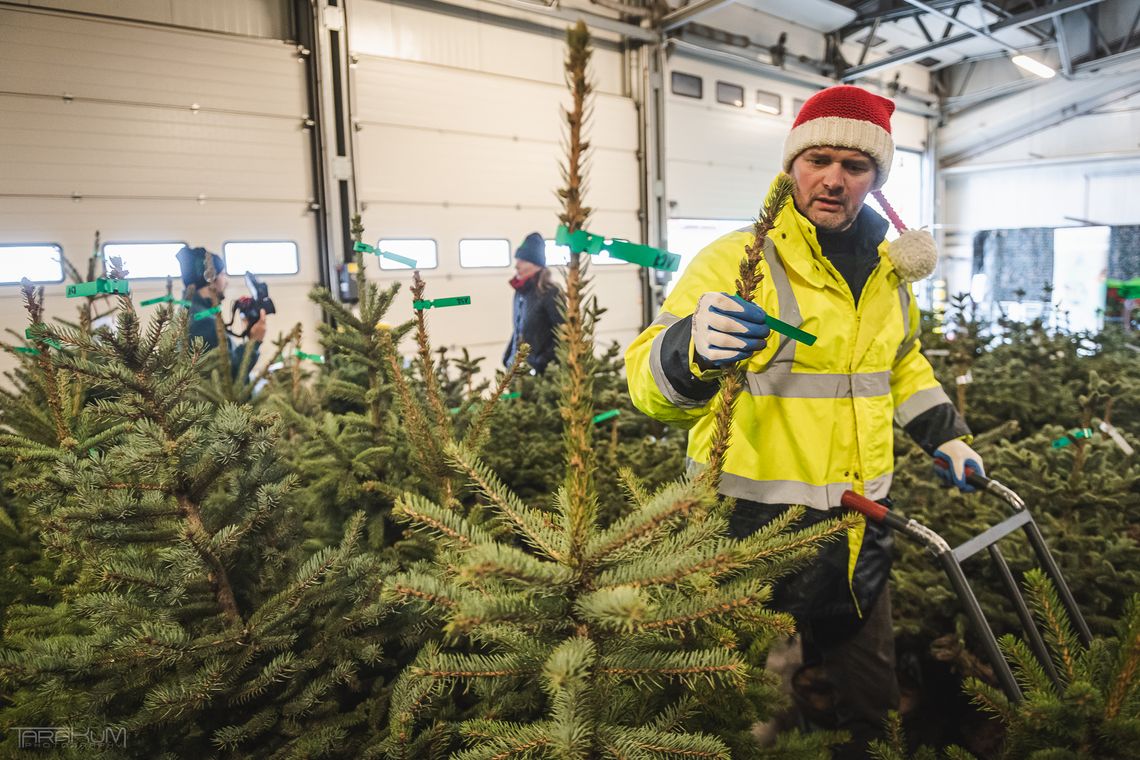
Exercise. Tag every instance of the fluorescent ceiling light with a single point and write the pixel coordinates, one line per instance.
(767, 108)
(1033, 67)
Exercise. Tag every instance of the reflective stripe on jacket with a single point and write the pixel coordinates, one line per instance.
(812, 421)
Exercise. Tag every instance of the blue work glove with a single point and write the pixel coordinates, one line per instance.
(958, 456)
(727, 329)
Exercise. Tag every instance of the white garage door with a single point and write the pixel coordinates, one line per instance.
(151, 134)
(460, 137)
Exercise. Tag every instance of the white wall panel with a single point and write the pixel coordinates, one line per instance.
(258, 18)
(721, 159)
(46, 54)
(128, 144)
(460, 135)
(414, 34)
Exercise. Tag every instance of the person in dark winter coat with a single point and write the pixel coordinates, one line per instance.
(537, 310)
(199, 292)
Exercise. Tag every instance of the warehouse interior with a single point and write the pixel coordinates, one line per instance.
(380, 533)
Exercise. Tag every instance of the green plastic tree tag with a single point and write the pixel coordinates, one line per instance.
(165, 299)
(26, 350)
(98, 287)
(635, 253)
(365, 248)
(509, 396)
(208, 313)
(311, 357)
(606, 415)
(1072, 437)
(28, 333)
(439, 303)
(794, 333)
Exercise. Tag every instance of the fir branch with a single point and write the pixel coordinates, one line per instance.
(1128, 659)
(746, 284)
(715, 667)
(424, 515)
(475, 438)
(427, 367)
(532, 526)
(1058, 629)
(576, 347)
(670, 505)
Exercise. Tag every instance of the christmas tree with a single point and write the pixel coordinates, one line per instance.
(577, 638)
(188, 614)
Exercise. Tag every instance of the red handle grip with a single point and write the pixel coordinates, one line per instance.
(861, 504)
(874, 511)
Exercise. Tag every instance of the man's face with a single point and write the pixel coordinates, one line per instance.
(831, 184)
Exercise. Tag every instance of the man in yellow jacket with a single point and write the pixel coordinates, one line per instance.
(813, 421)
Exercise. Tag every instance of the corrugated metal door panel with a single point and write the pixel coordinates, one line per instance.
(406, 93)
(130, 136)
(484, 171)
(54, 147)
(259, 18)
(52, 55)
(462, 137)
(417, 34)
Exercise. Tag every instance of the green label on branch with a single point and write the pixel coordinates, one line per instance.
(26, 350)
(509, 396)
(794, 333)
(439, 303)
(208, 312)
(98, 287)
(311, 357)
(1072, 436)
(365, 248)
(165, 299)
(606, 415)
(635, 253)
(28, 333)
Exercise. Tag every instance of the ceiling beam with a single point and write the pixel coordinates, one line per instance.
(1063, 46)
(1014, 22)
(957, 22)
(1060, 116)
(690, 12)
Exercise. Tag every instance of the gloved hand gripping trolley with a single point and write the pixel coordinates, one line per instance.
(951, 561)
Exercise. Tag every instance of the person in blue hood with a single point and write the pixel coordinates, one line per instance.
(537, 310)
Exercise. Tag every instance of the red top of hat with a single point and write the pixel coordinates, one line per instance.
(847, 102)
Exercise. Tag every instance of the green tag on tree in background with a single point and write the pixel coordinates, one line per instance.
(98, 287)
(439, 303)
(365, 248)
(208, 312)
(606, 415)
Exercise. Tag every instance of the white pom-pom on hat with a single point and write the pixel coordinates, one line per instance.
(913, 254)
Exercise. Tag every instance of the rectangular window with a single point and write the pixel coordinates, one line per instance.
(261, 257)
(477, 253)
(143, 260)
(730, 94)
(768, 102)
(687, 85)
(557, 255)
(424, 252)
(39, 262)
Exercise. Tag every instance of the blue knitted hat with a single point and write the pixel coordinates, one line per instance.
(533, 249)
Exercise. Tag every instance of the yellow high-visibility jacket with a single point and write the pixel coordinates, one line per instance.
(812, 421)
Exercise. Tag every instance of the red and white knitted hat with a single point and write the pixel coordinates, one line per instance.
(845, 117)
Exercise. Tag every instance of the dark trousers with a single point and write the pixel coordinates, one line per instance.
(856, 653)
